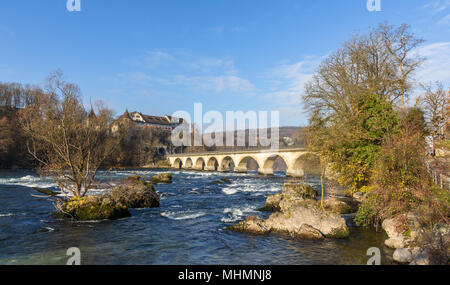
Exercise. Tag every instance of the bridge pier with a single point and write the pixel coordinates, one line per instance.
(198, 168)
(210, 168)
(223, 169)
(297, 173)
(265, 171)
(240, 170)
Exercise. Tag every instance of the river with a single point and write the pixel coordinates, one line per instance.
(188, 228)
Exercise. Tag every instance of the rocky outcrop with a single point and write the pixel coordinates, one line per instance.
(329, 224)
(92, 208)
(295, 194)
(225, 180)
(420, 257)
(344, 206)
(135, 193)
(272, 203)
(162, 178)
(252, 224)
(416, 245)
(221, 181)
(401, 230)
(308, 232)
(297, 214)
(402, 255)
(412, 256)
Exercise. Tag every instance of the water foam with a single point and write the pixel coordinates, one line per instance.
(183, 215)
(29, 181)
(233, 215)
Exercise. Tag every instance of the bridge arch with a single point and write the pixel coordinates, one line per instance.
(245, 163)
(306, 164)
(212, 164)
(178, 163)
(227, 164)
(188, 163)
(200, 164)
(269, 162)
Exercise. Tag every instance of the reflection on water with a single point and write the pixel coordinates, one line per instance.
(188, 228)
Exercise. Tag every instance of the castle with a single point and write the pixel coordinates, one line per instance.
(166, 123)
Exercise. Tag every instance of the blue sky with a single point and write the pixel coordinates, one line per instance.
(159, 57)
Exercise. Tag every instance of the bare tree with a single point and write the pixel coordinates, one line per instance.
(380, 63)
(399, 43)
(69, 142)
(435, 102)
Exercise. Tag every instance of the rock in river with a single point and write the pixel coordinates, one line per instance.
(92, 208)
(336, 205)
(297, 214)
(162, 178)
(135, 193)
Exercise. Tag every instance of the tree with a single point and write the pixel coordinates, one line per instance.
(6, 140)
(69, 142)
(435, 102)
(352, 95)
(400, 180)
(399, 42)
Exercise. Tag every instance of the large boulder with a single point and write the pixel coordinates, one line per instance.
(402, 230)
(252, 224)
(336, 205)
(272, 203)
(162, 178)
(420, 257)
(134, 192)
(92, 208)
(402, 255)
(298, 214)
(225, 180)
(296, 194)
(308, 232)
(331, 225)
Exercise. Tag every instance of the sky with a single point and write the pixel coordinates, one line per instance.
(158, 57)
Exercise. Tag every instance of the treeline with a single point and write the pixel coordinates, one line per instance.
(22, 108)
(361, 124)
(13, 152)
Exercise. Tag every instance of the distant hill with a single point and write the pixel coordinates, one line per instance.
(288, 137)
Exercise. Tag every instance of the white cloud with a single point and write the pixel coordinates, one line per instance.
(436, 66)
(217, 75)
(438, 5)
(287, 86)
(288, 80)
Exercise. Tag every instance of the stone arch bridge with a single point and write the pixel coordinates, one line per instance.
(295, 159)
